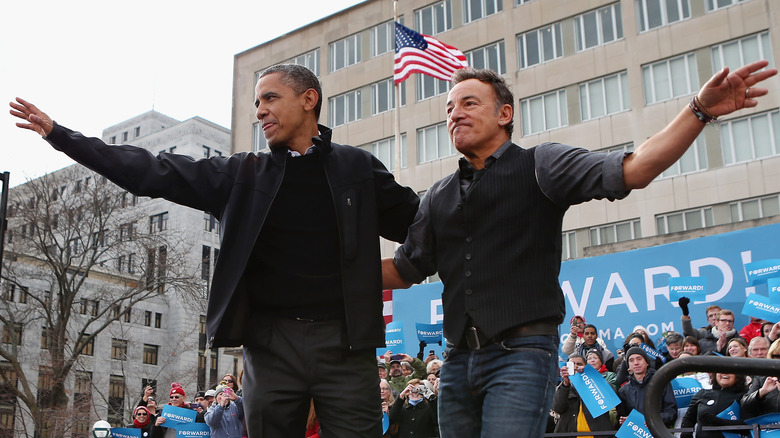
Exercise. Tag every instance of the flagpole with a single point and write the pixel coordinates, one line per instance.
(397, 111)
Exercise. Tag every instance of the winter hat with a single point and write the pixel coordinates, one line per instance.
(596, 352)
(220, 388)
(637, 350)
(177, 389)
(140, 424)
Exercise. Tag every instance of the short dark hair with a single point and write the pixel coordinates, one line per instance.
(591, 326)
(674, 338)
(300, 79)
(503, 93)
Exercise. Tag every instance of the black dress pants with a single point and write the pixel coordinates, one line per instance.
(288, 362)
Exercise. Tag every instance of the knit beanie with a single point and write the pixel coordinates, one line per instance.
(637, 350)
(177, 389)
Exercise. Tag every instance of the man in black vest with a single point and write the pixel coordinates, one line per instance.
(492, 230)
(299, 266)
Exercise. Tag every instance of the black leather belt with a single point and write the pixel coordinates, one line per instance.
(475, 339)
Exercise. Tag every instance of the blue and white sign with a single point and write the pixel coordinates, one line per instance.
(125, 432)
(193, 430)
(694, 288)
(764, 420)
(758, 272)
(175, 416)
(394, 337)
(634, 427)
(773, 286)
(430, 333)
(730, 413)
(759, 306)
(684, 389)
(420, 303)
(596, 393)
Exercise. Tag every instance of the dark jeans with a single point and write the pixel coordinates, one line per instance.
(502, 390)
(290, 362)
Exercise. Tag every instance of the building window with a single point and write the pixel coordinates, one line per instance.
(137, 131)
(210, 223)
(128, 314)
(158, 222)
(750, 138)
(693, 160)
(213, 371)
(428, 86)
(540, 45)
(383, 96)
(617, 232)
(382, 38)
(434, 19)
(742, 51)
(384, 150)
(45, 385)
(714, 5)
(206, 151)
(568, 245)
(118, 349)
(258, 138)
(47, 340)
(542, 113)
(127, 231)
(116, 400)
(684, 220)
(112, 139)
(433, 143)
(598, 27)
(476, 9)
(490, 57)
(150, 354)
(670, 78)
(656, 13)
(604, 96)
(12, 334)
(88, 345)
(158, 320)
(147, 318)
(9, 292)
(345, 52)
(99, 239)
(205, 263)
(310, 60)
(128, 199)
(756, 208)
(124, 136)
(345, 108)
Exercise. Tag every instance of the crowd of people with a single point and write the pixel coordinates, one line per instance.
(630, 369)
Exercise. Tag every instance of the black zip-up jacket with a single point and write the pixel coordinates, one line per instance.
(238, 190)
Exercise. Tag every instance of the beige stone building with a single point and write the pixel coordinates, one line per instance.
(600, 74)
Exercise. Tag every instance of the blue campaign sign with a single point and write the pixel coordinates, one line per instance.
(766, 419)
(394, 337)
(773, 286)
(595, 392)
(758, 272)
(634, 427)
(430, 333)
(730, 413)
(385, 422)
(125, 432)
(175, 416)
(198, 430)
(617, 292)
(420, 303)
(694, 288)
(759, 306)
(684, 389)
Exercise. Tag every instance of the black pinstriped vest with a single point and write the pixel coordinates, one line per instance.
(498, 248)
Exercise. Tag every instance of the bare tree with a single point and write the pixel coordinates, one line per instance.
(79, 256)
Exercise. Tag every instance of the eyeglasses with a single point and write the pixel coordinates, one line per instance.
(384, 389)
(727, 320)
(175, 396)
(141, 414)
(227, 380)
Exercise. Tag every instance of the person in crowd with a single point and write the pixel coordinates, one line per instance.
(209, 397)
(502, 299)
(719, 336)
(398, 379)
(574, 337)
(416, 416)
(591, 341)
(574, 416)
(708, 403)
(622, 370)
(151, 405)
(752, 329)
(226, 416)
(200, 398)
(691, 345)
(148, 392)
(407, 368)
(762, 396)
(294, 265)
(647, 340)
(766, 329)
(687, 326)
(143, 419)
(758, 347)
(702, 377)
(232, 383)
(382, 370)
(388, 398)
(737, 347)
(632, 394)
(434, 366)
(594, 359)
(674, 345)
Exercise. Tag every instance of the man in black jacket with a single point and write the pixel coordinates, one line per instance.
(299, 258)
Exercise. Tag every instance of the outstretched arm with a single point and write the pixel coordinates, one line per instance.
(723, 94)
(34, 119)
(391, 278)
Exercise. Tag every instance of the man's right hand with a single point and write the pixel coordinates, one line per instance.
(36, 120)
(683, 302)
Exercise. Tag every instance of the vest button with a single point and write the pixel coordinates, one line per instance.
(468, 239)
(468, 274)
(468, 256)
(468, 292)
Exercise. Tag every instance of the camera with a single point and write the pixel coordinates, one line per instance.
(418, 390)
(195, 406)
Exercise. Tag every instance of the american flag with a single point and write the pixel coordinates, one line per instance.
(417, 53)
(387, 311)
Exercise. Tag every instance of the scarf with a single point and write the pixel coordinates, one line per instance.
(137, 423)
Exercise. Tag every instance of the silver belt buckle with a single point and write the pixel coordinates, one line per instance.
(472, 338)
